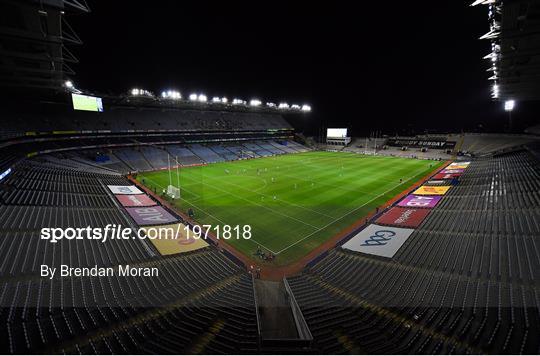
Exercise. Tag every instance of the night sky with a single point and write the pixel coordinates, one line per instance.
(393, 66)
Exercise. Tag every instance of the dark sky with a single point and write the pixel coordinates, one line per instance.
(366, 65)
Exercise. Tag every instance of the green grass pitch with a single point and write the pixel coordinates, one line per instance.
(293, 202)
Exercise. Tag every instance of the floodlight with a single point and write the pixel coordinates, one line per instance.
(306, 108)
(495, 91)
(295, 107)
(216, 99)
(68, 84)
(509, 105)
(134, 91)
(237, 101)
(254, 102)
(193, 97)
(202, 98)
(171, 94)
(224, 100)
(283, 106)
(271, 105)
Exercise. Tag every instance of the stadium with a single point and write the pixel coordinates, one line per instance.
(169, 221)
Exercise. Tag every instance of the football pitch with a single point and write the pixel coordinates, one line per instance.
(293, 202)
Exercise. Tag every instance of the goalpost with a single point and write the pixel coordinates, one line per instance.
(172, 191)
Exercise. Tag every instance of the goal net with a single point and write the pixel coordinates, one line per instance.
(173, 192)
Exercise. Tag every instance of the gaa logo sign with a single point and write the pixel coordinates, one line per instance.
(379, 238)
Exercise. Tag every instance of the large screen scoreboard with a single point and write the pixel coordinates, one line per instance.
(336, 133)
(86, 102)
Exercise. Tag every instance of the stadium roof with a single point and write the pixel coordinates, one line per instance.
(33, 42)
(514, 61)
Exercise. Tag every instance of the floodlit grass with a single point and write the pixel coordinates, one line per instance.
(293, 202)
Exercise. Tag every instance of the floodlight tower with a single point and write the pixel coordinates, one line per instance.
(509, 107)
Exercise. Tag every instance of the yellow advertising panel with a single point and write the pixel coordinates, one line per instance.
(432, 190)
(457, 166)
(172, 239)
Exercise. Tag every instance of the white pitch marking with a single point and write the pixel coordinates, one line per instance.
(361, 206)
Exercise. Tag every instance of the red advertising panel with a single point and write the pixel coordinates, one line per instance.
(403, 217)
(135, 200)
(446, 175)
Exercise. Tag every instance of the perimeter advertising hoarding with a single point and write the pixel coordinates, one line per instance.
(453, 171)
(458, 166)
(453, 164)
(413, 142)
(173, 239)
(446, 175)
(153, 215)
(135, 200)
(420, 201)
(378, 240)
(403, 217)
(436, 182)
(124, 189)
(432, 190)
